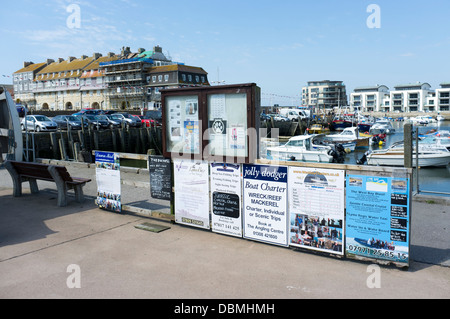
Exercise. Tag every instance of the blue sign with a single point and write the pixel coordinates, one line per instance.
(378, 217)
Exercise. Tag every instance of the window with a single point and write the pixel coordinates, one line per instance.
(154, 78)
(159, 78)
(197, 79)
(183, 77)
(190, 78)
(166, 77)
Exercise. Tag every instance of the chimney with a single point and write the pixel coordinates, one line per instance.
(97, 56)
(50, 61)
(83, 57)
(25, 64)
(141, 50)
(157, 49)
(110, 54)
(60, 60)
(71, 58)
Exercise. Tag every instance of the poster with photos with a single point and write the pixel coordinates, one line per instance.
(108, 181)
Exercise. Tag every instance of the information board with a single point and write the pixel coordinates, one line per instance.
(226, 197)
(191, 179)
(378, 217)
(108, 181)
(265, 203)
(160, 169)
(316, 207)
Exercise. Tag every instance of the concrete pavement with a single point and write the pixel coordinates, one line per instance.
(39, 241)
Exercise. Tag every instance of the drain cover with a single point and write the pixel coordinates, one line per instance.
(152, 227)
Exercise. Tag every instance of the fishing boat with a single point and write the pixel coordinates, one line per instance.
(430, 154)
(301, 148)
(341, 122)
(11, 142)
(318, 129)
(350, 134)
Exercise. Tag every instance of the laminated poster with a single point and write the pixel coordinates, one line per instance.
(316, 207)
(265, 204)
(378, 216)
(108, 181)
(191, 180)
(226, 197)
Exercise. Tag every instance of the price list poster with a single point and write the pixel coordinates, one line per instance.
(226, 189)
(191, 179)
(378, 217)
(317, 208)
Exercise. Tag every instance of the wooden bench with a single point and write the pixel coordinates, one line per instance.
(31, 172)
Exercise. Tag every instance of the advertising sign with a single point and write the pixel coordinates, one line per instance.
(226, 192)
(316, 207)
(191, 179)
(108, 181)
(265, 203)
(160, 177)
(378, 216)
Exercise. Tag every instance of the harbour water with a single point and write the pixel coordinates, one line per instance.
(431, 179)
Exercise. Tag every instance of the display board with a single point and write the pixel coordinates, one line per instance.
(226, 190)
(227, 124)
(108, 181)
(216, 124)
(191, 183)
(378, 217)
(182, 127)
(160, 170)
(317, 209)
(265, 203)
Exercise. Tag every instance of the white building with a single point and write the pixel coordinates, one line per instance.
(410, 97)
(442, 98)
(370, 98)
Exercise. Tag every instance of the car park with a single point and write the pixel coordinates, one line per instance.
(65, 121)
(38, 123)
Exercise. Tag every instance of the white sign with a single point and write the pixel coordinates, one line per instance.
(191, 180)
(316, 207)
(265, 204)
(226, 199)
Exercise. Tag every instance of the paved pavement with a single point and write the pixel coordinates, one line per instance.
(39, 241)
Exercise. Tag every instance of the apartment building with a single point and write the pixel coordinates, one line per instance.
(122, 81)
(442, 98)
(324, 94)
(371, 98)
(410, 97)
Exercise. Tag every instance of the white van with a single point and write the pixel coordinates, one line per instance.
(293, 114)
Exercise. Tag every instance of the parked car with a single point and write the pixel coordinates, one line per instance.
(147, 121)
(154, 115)
(21, 110)
(112, 123)
(127, 118)
(38, 123)
(264, 117)
(64, 121)
(278, 117)
(90, 112)
(109, 112)
(95, 121)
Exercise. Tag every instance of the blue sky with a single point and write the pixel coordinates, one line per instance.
(278, 45)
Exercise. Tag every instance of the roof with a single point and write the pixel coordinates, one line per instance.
(367, 88)
(177, 67)
(409, 85)
(96, 64)
(31, 67)
(54, 69)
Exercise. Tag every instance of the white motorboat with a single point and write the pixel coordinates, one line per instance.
(382, 124)
(11, 141)
(350, 134)
(430, 154)
(440, 118)
(301, 148)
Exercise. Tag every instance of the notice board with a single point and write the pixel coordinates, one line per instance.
(160, 169)
(378, 217)
(108, 181)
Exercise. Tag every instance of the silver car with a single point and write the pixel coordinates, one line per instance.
(38, 123)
